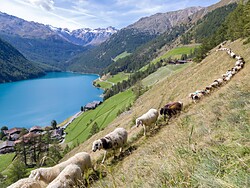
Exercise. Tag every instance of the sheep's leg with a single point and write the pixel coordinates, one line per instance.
(104, 157)
(114, 154)
(144, 127)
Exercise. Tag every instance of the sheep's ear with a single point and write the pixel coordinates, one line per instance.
(37, 175)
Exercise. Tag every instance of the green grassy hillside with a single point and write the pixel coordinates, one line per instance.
(79, 130)
(5, 161)
(208, 145)
(108, 81)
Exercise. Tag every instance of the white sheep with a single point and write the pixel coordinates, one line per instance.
(112, 141)
(47, 175)
(26, 183)
(232, 54)
(69, 177)
(238, 57)
(219, 80)
(147, 119)
(214, 84)
(197, 95)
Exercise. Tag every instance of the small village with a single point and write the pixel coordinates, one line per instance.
(12, 138)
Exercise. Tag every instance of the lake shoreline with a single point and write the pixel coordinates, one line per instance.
(87, 93)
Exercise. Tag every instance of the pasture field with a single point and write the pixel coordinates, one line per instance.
(207, 145)
(122, 55)
(114, 79)
(177, 52)
(5, 161)
(162, 73)
(174, 53)
(79, 130)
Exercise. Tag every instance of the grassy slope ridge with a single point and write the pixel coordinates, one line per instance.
(206, 146)
(79, 130)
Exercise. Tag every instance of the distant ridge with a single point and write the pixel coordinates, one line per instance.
(14, 66)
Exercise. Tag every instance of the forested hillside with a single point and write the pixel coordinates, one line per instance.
(96, 59)
(14, 66)
(50, 51)
(131, 38)
(236, 25)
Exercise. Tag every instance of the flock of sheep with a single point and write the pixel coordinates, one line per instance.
(239, 64)
(69, 173)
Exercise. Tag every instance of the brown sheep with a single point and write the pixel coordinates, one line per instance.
(171, 109)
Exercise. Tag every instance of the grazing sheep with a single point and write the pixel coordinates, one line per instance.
(26, 183)
(232, 54)
(238, 57)
(147, 119)
(69, 177)
(112, 141)
(219, 80)
(197, 95)
(228, 77)
(214, 85)
(47, 175)
(171, 108)
(239, 62)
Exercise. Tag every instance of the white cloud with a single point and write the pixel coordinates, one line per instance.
(92, 13)
(44, 4)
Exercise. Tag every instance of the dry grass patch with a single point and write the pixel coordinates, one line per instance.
(207, 145)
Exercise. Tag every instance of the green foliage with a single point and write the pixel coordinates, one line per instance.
(212, 21)
(54, 155)
(235, 26)
(145, 53)
(14, 66)
(2, 181)
(132, 80)
(122, 55)
(54, 124)
(49, 51)
(5, 161)
(4, 128)
(96, 59)
(17, 171)
(94, 129)
(104, 114)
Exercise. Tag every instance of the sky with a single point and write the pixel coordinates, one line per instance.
(75, 14)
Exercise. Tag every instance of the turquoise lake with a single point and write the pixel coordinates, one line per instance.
(55, 96)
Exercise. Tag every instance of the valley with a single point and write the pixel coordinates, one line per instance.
(157, 60)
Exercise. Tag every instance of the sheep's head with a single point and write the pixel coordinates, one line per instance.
(138, 122)
(161, 111)
(96, 145)
(35, 174)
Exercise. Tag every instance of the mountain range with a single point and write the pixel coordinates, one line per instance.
(41, 43)
(93, 50)
(14, 66)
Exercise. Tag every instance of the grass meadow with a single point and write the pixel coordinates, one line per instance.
(79, 130)
(207, 145)
(110, 80)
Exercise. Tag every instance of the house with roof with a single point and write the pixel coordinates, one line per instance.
(13, 134)
(7, 147)
(36, 129)
(92, 105)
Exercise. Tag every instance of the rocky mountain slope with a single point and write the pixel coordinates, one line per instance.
(12, 25)
(86, 36)
(14, 66)
(162, 22)
(136, 35)
(128, 39)
(46, 44)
